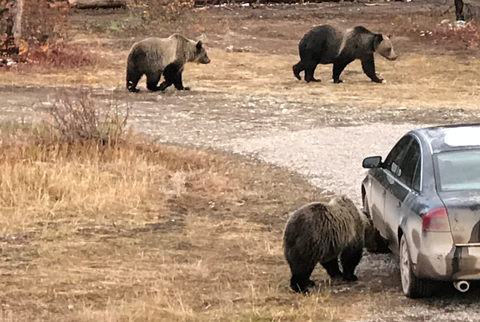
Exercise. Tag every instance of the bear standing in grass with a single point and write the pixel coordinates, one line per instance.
(330, 45)
(156, 56)
(320, 233)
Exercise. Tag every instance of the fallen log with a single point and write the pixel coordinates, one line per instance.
(93, 4)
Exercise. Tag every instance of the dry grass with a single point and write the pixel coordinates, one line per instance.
(431, 71)
(141, 232)
(414, 80)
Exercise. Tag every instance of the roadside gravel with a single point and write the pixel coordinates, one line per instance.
(331, 157)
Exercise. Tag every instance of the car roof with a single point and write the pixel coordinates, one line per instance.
(450, 137)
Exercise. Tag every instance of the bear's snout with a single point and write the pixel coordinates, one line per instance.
(206, 60)
(392, 56)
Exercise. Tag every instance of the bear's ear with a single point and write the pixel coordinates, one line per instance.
(199, 45)
(377, 39)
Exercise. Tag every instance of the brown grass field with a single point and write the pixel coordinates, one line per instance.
(443, 78)
(140, 232)
(431, 71)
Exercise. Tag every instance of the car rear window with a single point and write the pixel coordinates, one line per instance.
(459, 170)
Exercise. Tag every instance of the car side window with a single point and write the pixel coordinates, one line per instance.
(395, 157)
(410, 166)
(416, 176)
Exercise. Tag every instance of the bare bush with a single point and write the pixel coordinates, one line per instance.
(163, 10)
(40, 35)
(80, 119)
(43, 21)
(469, 35)
(59, 56)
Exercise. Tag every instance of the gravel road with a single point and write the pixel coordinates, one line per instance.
(325, 143)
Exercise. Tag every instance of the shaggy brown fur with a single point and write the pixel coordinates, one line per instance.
(320, 233)
(156, 56)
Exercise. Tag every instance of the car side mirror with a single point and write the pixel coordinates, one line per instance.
(372, 162)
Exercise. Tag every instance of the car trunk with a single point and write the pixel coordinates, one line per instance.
(463, 208)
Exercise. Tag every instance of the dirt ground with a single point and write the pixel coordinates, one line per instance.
(250, 94)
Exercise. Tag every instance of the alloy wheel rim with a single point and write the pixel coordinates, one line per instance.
(404, 267)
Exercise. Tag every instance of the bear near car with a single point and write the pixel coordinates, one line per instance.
(156, 56)
(326, 44)
(322, 233)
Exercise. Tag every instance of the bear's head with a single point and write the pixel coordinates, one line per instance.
(383, 45)
(200, 54)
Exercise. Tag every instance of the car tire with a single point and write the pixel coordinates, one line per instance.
(374, 242)
(412, 286)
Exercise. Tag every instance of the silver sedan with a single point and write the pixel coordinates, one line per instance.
(424, 201)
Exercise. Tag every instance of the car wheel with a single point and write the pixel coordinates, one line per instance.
(374, 242)
(412, 286)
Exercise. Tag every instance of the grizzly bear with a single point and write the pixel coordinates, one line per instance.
(320, 233)
(156, 56)
(330, 45)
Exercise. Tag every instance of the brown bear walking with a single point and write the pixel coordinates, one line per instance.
(320, 233)
(330, 45)
(156, 56)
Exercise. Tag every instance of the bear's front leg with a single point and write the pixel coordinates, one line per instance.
(332, 268)
(368, 66)
(179, 83)
(350, 258)
(173, 75)
(338, 67)
(163, 86)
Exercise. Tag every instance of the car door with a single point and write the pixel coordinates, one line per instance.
(403, 186)
(380, 183)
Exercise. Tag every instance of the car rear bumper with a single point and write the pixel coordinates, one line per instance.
(455, 263)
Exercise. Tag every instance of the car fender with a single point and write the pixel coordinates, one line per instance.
(366, 188)
(410, 226)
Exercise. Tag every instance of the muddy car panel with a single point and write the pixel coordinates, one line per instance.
(399, 194)
(464, 216)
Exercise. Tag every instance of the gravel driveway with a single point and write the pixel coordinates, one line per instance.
(325, 143)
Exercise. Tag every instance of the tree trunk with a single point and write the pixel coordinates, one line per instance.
(459, 10)
(91, 4)
(17, 22)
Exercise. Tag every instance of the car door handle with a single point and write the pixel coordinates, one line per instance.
(384, 192)
(399, 204)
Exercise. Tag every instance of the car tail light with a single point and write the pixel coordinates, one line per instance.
(436, 220)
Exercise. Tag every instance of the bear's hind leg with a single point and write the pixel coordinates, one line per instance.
(152, 81)
(297, 69)
(350, 258)
(310, 71)
(132, 80)
(301, 272)
(332, 268)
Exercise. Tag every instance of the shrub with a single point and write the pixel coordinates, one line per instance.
(468, 35)
(163, 10)
(58, 56)
(43, 21)
(79, 119)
